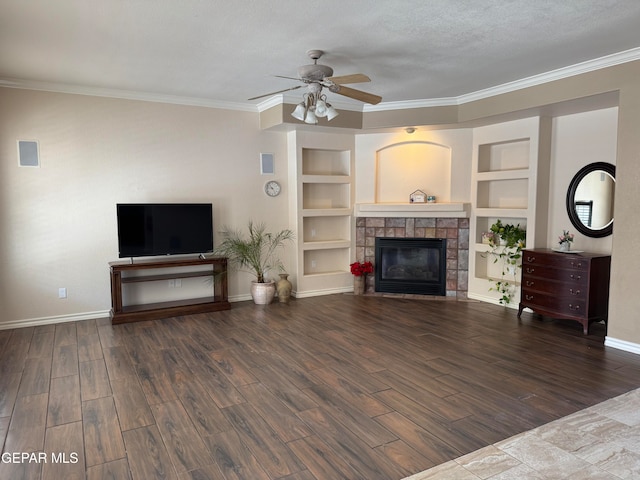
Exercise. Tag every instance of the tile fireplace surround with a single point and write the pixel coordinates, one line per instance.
(455, 230)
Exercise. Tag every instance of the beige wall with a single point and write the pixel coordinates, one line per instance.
(624, 320)
(457, 142)
(578, 140)
(57, 222)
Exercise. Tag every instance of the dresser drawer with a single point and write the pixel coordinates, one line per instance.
(571, 276)
(559, 260)
(562, 305)
(562, 289)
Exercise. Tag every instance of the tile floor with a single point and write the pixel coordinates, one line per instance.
(599, 443)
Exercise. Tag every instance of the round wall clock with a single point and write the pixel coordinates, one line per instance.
(272, 188)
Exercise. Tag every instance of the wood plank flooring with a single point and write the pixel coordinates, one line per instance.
(326, 388)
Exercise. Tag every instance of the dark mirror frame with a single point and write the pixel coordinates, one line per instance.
(571, 194)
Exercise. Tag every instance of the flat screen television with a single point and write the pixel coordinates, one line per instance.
(152, 229)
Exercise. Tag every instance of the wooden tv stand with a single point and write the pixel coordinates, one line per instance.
(121, 273)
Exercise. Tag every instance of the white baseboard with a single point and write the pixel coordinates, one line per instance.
(493, 300)
(240, 298)
(622, 345)
(326, 291)
(35, 322)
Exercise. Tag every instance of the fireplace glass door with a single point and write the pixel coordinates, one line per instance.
(411, 265)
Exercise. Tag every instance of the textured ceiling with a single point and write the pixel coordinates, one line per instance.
(229, 51)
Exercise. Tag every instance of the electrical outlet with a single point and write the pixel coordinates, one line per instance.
(313, 232)
(62, 292)
(178, 282)
(172, 283)
(313, 264)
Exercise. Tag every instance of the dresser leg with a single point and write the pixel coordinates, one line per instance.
(520, 308)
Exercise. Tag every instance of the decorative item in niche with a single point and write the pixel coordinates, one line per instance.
(487, 238)
(431, 199)
(418, 197)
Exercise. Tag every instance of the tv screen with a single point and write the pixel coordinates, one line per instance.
(152, 229)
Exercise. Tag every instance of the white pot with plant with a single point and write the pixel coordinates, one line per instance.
(256, 253)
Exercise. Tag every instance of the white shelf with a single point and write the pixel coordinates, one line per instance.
(449, 210)
(326, 179)
(326, 274)
(323, 245)
(502, 212)
(503, 175)
(326, 212)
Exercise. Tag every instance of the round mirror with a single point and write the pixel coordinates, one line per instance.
(590, 199)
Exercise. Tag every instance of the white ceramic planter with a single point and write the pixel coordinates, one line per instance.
(263, 293)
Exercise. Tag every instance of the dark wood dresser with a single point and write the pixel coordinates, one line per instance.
(573, 286)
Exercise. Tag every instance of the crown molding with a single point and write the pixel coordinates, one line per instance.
(558, 74)
(125, 94)
(408, 104)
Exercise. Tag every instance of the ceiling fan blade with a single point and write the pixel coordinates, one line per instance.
(274, 93)
(357, 94)
(353, 78)
(289, 78)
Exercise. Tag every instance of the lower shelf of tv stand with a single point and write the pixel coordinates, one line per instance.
(156, 311)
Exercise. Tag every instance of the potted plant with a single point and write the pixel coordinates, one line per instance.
(256, 253)
(506, 243)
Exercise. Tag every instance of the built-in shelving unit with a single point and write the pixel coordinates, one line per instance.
(323, 212)
(510, 176)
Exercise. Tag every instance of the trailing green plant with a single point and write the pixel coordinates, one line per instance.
(506, 243)
(256, 252)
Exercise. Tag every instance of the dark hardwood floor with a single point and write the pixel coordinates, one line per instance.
(334, 387)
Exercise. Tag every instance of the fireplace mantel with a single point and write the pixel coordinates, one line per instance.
(416, 210)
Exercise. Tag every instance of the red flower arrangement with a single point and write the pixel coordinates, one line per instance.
(361, 268)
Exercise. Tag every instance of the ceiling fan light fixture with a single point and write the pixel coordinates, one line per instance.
(331, 112)
(321, 108)
(299, 112)
(310, 118)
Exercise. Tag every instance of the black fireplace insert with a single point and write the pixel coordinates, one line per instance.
(411, 265)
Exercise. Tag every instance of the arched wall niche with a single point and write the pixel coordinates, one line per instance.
(402, 168)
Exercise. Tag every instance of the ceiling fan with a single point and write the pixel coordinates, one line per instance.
(316, 77)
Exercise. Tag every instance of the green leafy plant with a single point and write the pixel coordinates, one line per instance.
(506, 245)
(256, 252)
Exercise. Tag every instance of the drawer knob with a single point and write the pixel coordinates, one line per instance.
(574, 307)
(531, 259)
(576, 277)
(529, 283)
(528, 297)
(577, 265)
(574, 292)
(530, 270)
